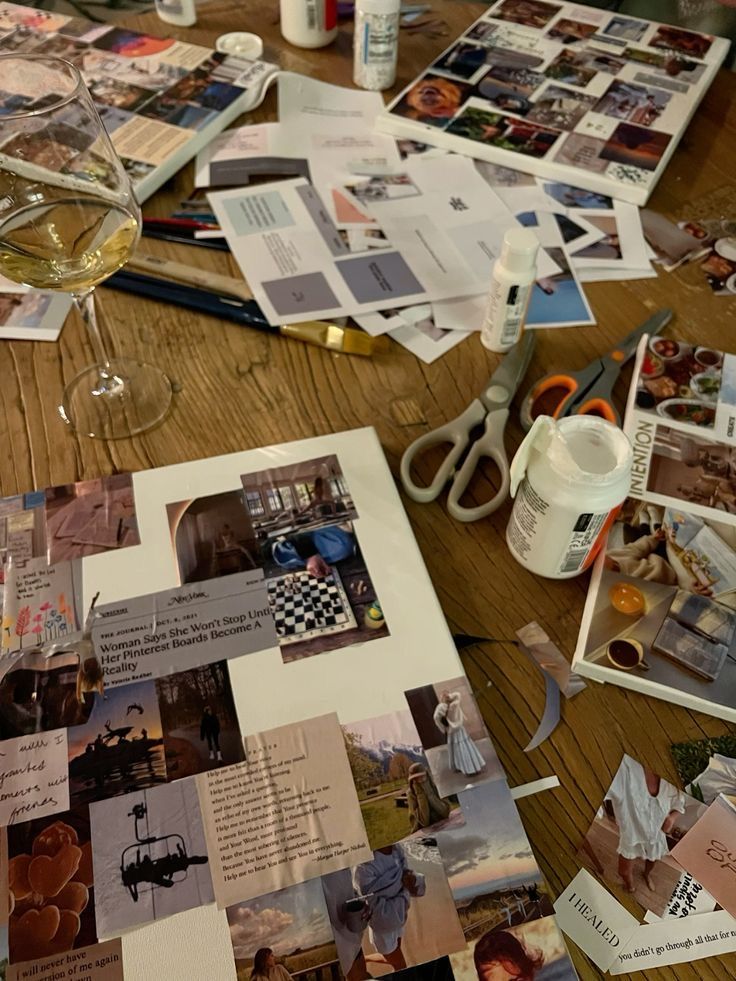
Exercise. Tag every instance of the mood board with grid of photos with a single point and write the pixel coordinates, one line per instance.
(586, 96)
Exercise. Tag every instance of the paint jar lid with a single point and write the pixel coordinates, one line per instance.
(378, 6)
(242, 44)
(519, 250)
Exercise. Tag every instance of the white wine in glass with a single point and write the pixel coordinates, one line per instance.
(68, 220)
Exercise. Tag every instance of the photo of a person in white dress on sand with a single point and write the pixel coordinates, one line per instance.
(454, 736)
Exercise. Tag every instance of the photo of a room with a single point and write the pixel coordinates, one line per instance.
(665, 609)
(41, 693)
(212, 536)
(91, 516)
(693, 469)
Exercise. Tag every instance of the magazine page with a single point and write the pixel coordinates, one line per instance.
(660, 616)
(562, 91)
(681, 420)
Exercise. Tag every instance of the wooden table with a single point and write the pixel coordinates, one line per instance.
(238, 389)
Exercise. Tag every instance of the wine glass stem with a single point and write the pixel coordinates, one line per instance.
(85, 303)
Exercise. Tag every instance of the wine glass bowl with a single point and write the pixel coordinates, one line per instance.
(68, 220)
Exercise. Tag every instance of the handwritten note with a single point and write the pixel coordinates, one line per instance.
(41, 603)
(289, 813)
(34, 776)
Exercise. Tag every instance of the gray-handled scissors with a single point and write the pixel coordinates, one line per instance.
(492, 406)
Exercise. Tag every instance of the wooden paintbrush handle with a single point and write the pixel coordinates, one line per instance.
(179, 272)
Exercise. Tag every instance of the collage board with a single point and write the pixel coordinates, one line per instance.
(152, 93)
(140, 780)
(564, 91)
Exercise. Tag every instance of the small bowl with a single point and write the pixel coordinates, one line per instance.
(708, 358)
(702, 387)
(656, 344)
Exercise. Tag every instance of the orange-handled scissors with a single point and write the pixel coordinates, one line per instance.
(588, 392)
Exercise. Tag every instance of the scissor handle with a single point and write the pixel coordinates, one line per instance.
(567, 382)
(489, 445)
(456, 432)
(599, 407)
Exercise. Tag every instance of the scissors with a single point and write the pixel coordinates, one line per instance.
(588, 392)
(492, 406)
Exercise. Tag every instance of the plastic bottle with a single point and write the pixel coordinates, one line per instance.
(183, 13)
(571, 477)
(309, 23)
(376, 43)
(512, 279)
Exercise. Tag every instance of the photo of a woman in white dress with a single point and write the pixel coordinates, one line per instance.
(450, 720)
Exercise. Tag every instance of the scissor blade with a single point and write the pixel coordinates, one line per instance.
(620, 354)
(509, 373)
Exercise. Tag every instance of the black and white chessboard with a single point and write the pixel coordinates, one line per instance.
(304, 607)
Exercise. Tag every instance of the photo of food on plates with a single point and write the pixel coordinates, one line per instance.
(680, 382)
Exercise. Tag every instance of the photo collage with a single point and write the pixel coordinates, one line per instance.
(661, 611)
(152, 93)
(571, 92)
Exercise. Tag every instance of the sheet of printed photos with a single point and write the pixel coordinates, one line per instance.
(132, 790)
(565, 91)
(153, 93)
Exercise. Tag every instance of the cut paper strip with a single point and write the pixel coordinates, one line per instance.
(677, 942)
(535, 787)
(536, 643)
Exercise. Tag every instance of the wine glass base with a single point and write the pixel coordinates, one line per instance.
(115, 400)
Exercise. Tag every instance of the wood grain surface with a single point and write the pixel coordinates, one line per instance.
(238, 389)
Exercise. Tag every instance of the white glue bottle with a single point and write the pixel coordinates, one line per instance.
(309, 23)
(180, 12)
(376, 43)
(512, 280)
(569, 480)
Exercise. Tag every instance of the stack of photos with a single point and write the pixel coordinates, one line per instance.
(563, 91)
(155, 95)
(661, 613)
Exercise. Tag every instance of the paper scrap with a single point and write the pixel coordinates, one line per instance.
(288, 813)
(549, 657)
(34, 776)
(594, 919)
(41, 603)
(677, 942)
(182, 628)
(689, 898)
(708, 852)
(535, 787)
(100, 962)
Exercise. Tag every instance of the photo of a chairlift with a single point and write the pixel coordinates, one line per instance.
(159, 860)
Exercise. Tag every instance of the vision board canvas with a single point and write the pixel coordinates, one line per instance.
(563, 91)
(161, 100)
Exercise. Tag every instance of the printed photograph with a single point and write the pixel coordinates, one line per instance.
(672, 243)
(37, 20)
(635, 146)
(394, 911)
(482, 31)
(519, 79)
(463, 59)
(42, 604)
(396, 790)
(120, 748)
(640, 821)
(570, 67)
(493, 875)
(707, 767)
(535, 951)
(674, 38)
(50, 875)
(720, 273)
(200, 88)
(58, 46)
(21, 39)
(558, 299)
(530, 13)
(130, 44)
(212, 536)
(119, 95)
(665, 608)
(576, 197)
(169, 109)
(40, 693)
(199, 721)
(559, 107)
(692, 468)
(504, 132)
(150, 856)
(568, 31)
(284, 935)
(456, 743)
(667, 64)
(44, 149)
(606, 248)
(626, 28)
(389, 187)
(504, 96)
(433, 100)
(90, 517)
(682, 383)
(639, 105)
(579, 150)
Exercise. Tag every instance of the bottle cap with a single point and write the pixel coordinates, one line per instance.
(378, 6)
(519, 251)
(242, 44)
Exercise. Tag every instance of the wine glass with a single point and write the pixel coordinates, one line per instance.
(68, 220)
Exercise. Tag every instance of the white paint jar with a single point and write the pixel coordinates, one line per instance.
(309, 23)
(569, 480)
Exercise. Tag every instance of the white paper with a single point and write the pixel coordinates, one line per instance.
(594, 919)
(677, 942)
(34, 777)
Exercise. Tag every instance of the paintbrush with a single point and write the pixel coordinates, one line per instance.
(246, 312)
